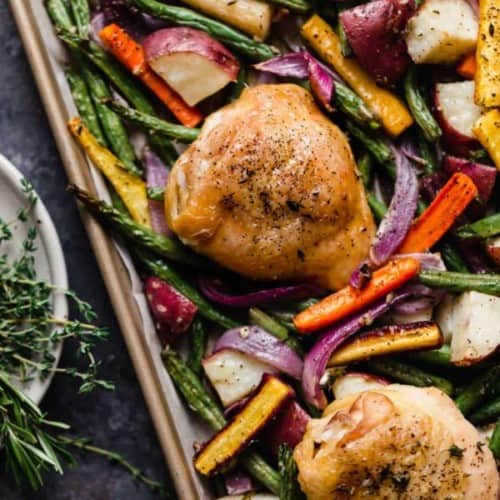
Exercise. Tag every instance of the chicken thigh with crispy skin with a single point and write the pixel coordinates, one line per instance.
(270, 191)
(398, 443)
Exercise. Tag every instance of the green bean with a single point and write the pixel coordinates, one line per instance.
(483, 228)
(81, 15)
(495, 441)
(198, 343)
(376, 146)
(161, 269)
(228, 36)
(299, 6)
(426, 153)
(488, 412)
(379, 208)
(461, 282)
(260, 318)
(239, 85)
(365, 168)
(408, 374)
(419, 108)
(84, 103)
(452, 259)
(62, 19)
(353, 107)
(258, 468)
(191, 387)
(137, 233)
(115, 131)
(478, 390)
(439, 356)
(154, 124)
(164, 149)
(200, 401)
(156, 193)
(282, 315)
(287, 467)
(59, 14)
(480, 155)
(117, 202)
(277, 328)
(305, 304)
(124, 83)
(345, 48)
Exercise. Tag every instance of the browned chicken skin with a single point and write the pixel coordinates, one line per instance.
(396, 443)
(270, 191)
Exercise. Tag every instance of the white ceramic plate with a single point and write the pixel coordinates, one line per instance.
(49, 257)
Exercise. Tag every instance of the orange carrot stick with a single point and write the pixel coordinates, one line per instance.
(131, 55)
(440, 215)
(467, 66)
(349, 300)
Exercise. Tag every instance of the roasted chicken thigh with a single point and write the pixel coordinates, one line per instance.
(270, 190)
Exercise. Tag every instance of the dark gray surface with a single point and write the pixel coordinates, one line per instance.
(116, 420)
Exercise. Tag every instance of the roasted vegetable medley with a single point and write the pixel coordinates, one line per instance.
(309, 191)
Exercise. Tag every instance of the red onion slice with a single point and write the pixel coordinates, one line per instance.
(256, 342)
(396, 223)
(322, 83)
(423, 297)
(156, 177)
(303, 65)
(317, 358)
(238, 482)
(211, 288)
(292, 65)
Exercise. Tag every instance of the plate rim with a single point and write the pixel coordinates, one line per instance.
(55, 259)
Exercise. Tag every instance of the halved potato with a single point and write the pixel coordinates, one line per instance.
(194, 64)
(441, 32)
(234, 375)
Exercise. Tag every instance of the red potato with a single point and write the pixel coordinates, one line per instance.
(484, 176)
(194, 64)
(288, 427)
(354, 382)
(374, 31)
(172, 312)
(456, 112)
(493, 249)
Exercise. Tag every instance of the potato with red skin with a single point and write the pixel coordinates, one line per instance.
(288, 427)
(374, 31)
(193, 63)
(172, 312)
(493, 249)
(456, 113)
(484, 176)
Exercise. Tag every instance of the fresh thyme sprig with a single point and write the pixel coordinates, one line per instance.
(29, 442)
(28, 328)
(85, 445)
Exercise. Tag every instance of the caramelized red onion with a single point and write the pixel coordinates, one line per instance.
(396, 223)
(317, 359)
(256, 342)
(303, 65)
(212, 290)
